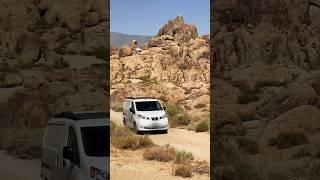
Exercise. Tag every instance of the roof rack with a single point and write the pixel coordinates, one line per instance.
(82, 115)
(142, 97)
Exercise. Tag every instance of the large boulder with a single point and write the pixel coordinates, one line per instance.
(302, 119)
(125, 51)
(179, 30)
(26, 110)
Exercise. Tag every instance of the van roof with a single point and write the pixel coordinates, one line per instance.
(142, 98)
(82, 119)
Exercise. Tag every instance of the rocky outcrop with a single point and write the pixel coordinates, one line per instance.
(38, 41)
(179, 30)
(125, 51)
(174, 68)
(265, 58)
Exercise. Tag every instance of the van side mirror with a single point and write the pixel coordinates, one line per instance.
(132, 110)
(164, 108)
(68, 153)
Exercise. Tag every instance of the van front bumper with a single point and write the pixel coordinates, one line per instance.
(150, 125)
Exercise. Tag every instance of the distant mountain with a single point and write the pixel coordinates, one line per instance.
(119, 39)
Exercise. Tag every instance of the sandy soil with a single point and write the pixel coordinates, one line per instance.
(197, 143)
(17, 169)
(130, 164)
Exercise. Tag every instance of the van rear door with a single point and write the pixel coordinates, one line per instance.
(54, 141)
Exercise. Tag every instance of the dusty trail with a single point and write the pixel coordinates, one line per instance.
(197, 143)
(16, 169)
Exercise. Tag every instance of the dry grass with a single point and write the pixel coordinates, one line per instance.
(183, 170)
(160, 153)
(22, 143)
(202, 127)
(201, 167)
(183, 156)
(124, 138)
(177, 117)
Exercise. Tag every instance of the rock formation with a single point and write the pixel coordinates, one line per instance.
(264, 87)
(41, 71)
(174, 67)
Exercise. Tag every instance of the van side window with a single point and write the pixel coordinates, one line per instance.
(72, 142)
(132, 105)
(55, 136)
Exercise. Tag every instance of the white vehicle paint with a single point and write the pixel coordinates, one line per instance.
(145, 114)
(76, 147)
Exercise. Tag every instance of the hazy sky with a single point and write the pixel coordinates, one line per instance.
(145, 17)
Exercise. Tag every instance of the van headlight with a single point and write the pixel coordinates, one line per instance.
(142, 117)
(98, 174)
(164, 116)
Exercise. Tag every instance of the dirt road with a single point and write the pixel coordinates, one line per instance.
(190, 141)
(16, 169)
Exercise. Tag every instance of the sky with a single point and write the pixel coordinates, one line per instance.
(146, 17)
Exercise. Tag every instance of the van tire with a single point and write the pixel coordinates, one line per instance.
(136, 129)
(164, 132)
(124, 122)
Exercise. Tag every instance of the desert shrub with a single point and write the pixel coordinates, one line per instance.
(60, 64)
(183, 156)
(248, 146)
(199, 106)
(124, 138)
(59, 50)
(184, 170)
(160, 153)
(22, 143)
(202, 127)
(177, 117)
(117, 107)
(288, 139)
(202, 168)
(145, 79)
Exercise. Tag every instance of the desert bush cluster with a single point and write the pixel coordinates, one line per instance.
(124, 138)
(23, 144)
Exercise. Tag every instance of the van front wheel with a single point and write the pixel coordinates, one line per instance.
(124, 122)
(135, 128)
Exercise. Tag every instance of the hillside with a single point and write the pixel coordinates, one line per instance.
(173, 67)
(120, 39)
(265, 96)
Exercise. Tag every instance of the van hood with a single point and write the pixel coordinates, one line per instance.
(152, 113)
(101, 163)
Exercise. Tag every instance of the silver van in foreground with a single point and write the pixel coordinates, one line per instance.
(145, 114)
(76, 147)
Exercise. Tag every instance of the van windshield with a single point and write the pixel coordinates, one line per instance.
(148, 106)
(96, 140)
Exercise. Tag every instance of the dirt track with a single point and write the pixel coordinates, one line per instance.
(16, 169)
(197, 143)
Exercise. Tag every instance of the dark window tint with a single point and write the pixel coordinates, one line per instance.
(96, 140)
(148, 106)
(56, 136)
(72, 142)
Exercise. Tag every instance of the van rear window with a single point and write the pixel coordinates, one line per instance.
(96, 140)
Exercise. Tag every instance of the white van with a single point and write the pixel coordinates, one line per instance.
(145, 114)
(76, 147)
